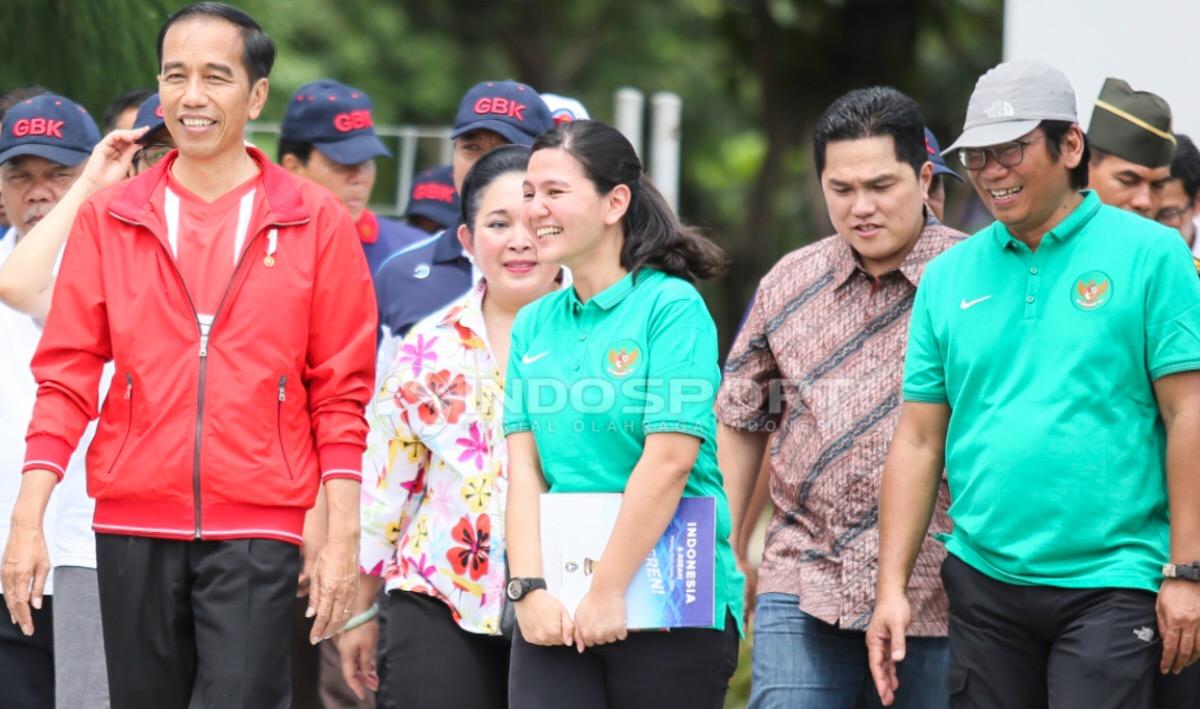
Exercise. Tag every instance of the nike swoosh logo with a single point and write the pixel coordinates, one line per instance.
(527, 359)
(965, 304)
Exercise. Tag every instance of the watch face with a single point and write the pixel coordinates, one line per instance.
(514, 590)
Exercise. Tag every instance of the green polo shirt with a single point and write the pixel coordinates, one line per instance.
(1055, 452)
(591, 380)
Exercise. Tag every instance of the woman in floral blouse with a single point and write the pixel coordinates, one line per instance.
(435, 478)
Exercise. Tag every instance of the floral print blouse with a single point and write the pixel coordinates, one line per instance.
(435, 474)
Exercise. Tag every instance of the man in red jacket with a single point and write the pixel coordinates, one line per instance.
(236, 305)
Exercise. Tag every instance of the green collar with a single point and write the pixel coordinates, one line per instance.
(610, 297)
(1062, 231)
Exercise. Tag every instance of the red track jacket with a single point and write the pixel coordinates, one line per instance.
(225, 436)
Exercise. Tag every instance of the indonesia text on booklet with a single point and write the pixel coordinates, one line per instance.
(674, 586)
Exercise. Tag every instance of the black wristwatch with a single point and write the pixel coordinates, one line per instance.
(1187, 572)
(519, 588)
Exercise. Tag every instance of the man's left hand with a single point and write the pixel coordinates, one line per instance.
(1179, 624)
(333, 589)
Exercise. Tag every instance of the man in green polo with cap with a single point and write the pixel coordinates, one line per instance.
(1053, 369)
(1132, 145)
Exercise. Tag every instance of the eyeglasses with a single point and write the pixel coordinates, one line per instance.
(1171, 216)
(1006, 154)
(151, 154)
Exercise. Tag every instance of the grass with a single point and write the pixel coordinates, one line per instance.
(739, 686)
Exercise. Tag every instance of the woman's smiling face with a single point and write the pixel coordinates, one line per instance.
(563, 209)
(501, 244)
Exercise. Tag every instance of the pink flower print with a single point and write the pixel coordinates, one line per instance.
(416, 486)
(416, 354)
(473, 447)
(442, 501)
(423, 567)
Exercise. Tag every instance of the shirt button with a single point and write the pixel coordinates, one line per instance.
(582, 336)
(1029, 299)
(575, 364)
(1033, 270)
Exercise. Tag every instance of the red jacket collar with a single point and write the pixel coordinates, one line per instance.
(282, 195)
(368, 227)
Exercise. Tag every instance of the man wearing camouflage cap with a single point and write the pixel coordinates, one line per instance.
(1131, 148)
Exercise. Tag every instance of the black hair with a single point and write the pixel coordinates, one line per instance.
(1185, 166)
(494, 163)
(133, 98)
(258, 51)
(1056, 133)
(654, 236)
(302, 150)
(935, 182)
(872, 112)
(12, 97)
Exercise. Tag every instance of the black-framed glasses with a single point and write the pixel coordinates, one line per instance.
(151, 154)
(1171, 216)
(1006, 154)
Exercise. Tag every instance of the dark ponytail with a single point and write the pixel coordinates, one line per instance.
(654, 236)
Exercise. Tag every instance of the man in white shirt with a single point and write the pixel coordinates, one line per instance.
(44, 142)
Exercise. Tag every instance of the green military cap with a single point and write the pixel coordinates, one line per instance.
(1133, 125)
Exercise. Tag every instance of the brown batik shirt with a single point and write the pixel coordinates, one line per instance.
(819, 362)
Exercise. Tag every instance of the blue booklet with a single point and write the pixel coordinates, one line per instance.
(674, 586)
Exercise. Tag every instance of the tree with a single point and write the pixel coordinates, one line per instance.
(87, 51)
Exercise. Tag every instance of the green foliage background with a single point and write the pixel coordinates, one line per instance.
(754, 75)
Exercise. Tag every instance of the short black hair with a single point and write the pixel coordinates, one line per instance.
(258, 51)
(12, 97)
(1185, 166)
(302, 150)
(1056, 132)
(133, 98)
(871, 112)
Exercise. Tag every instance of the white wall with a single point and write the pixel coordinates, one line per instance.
(1152, 44)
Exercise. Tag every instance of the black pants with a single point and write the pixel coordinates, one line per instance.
(27, 663)
(1037, 646)
(197, 625)
(431, 662)
(649, 669)
(1178, 691)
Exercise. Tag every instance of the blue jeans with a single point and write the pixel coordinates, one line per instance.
(801, 662)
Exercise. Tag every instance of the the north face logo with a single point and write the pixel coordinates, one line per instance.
(999, 109)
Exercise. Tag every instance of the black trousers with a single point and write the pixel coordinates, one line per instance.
(648, 670)
(1037, 646)
(197, 624)
(431, 662)
(27, 663)
(1178, 691)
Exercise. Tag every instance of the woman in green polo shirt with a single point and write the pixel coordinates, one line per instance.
(610, 388)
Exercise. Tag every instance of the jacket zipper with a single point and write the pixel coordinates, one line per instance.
(128, 419)
(204, 338)
(203, 352)
(279, 425)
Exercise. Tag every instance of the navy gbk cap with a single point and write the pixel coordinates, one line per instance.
(51, 127)
(934, 152)
(336, 119)
(149, 115)
(513, 110)
(433, 196)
